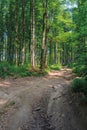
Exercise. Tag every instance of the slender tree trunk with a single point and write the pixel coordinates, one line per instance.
(44, 36)
(9, 41)
(32, 33)
(55, 53)
(50, 53)
(16, 35)
(23, 31)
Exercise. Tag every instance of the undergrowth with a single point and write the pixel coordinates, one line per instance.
(80, 70)
(55, 67)
(80, 85)
(11, 70)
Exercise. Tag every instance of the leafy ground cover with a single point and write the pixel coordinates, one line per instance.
(79, 85)
(11, 70)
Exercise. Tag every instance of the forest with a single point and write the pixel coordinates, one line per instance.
(44, 33)
(43, 64)
(37, 36)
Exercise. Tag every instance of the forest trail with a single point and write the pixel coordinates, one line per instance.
(40, 103)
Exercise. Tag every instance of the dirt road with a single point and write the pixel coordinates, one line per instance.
(40, 103)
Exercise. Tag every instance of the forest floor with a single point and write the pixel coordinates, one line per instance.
(41, 103)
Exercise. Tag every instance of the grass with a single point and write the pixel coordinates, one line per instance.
(7, 70)
(11, 70)
(55, 67)
(21, 71)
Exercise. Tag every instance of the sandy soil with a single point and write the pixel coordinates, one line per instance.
(41, 103)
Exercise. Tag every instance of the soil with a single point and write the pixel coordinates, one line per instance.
(41, 103)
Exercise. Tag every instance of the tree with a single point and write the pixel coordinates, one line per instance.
(44, 35)
(23, 32)
(32, 11)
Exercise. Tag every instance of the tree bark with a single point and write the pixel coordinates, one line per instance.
(32, 33)
(23, 31)
(44, 36)
(16, 33)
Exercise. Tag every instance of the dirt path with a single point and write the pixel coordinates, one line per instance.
(40, 103)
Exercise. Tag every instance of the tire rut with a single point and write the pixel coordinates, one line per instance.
(43, 103)
(40, 118)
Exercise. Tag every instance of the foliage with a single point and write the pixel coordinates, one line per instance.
(10, 70)
(80, 67)
(81, 70)
(55, 67)
(22, 24)
(80, 22)
(15, 31)
(80, 85)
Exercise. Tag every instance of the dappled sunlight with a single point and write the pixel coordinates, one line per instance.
(43, 48)
(45, 78)
(62, 73)
(53, 73)
(5, 84)
(36, 96)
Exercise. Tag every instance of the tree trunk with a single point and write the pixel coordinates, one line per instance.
(50, 53)
(44, 37)
(23, 31)
(32, 33)
(16, 33)
(55, 53)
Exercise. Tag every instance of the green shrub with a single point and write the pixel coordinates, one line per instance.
(80, 85)
(55, 67)
(81, 70)
(4, 69)
(10, 70)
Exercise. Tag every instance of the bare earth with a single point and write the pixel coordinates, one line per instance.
(41, 103)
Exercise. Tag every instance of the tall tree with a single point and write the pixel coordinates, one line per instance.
(23, 32)
(32, 11)
(16, 32)
(44, 35)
